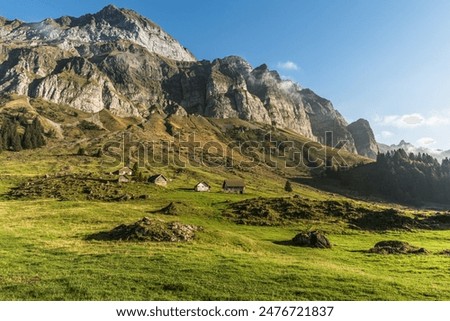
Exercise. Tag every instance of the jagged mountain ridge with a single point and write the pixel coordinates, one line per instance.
(120, 61)
(108, 25)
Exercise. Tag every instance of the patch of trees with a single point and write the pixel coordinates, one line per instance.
(16, 135)
(402, 177)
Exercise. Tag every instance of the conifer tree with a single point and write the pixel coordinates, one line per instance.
(27, 138)
(37, 137)
(288, 186)
(16, 141)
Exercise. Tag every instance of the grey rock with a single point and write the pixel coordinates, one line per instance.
(324, 118)
(365, 142)
(111, 24)
(311, 239)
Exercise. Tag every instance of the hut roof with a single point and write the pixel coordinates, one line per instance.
(155, 177)
(204, 183)
(233, 183)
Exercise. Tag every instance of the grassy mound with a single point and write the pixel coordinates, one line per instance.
(389, 219)
(284, 210)
(396, 247)
(361, 216)
(147, 229)
(77, 187)
(175, 208)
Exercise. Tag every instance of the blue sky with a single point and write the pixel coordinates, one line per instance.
(386, 61)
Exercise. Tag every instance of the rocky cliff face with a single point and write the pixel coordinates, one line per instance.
(120, 61)
(365, 142)
(324, 118)
(230, 87)
(108, 25)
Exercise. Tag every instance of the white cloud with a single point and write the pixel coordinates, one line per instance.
(426, 141)
(288, 65)
(386, 134)
(414, 120)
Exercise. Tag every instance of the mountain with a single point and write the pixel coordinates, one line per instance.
(365, 142)
(410, 148)
(118, 61)
(83, 34)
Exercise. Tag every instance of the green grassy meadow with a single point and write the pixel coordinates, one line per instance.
(44, 254)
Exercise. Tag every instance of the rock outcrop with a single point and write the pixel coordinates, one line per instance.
(327, 123)
(365, 142)
(230, 87)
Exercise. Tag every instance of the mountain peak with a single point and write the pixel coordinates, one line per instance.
(113, 14)
(110, 8)
(362, 121)
(109, 25)
(364, 138)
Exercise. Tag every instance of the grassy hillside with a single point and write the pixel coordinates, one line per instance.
(52, 200)
(45, 255)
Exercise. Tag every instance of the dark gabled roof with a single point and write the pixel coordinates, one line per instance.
(233, 183)
(155, 177)
(203, 183)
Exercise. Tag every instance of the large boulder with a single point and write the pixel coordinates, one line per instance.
(311, 239)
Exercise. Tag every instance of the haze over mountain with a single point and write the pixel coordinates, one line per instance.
(119, 61)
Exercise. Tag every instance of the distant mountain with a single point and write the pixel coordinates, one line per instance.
(410, 148)
(365, 142)
(120, 61)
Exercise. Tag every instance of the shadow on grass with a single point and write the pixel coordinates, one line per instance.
(99, 236)
(285, 243)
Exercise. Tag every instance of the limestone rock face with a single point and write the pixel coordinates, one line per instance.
(111, 24)
(282, 100)
(324, 118)
(230, 87)
(364, 138)
(122, 62)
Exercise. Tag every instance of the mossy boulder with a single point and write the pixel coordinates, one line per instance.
(396, 247)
